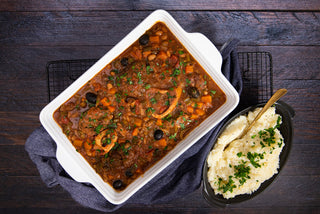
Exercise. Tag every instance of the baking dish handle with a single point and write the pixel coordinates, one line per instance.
(70, 166)
(208, 50)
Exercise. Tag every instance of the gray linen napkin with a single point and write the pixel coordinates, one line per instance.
(182, 177)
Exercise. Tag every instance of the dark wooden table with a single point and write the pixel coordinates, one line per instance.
(33, 32)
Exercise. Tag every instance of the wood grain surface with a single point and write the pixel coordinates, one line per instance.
(34, 32)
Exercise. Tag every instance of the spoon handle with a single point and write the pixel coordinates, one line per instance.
(275, 97)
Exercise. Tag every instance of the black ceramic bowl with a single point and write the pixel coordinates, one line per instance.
(286, 130)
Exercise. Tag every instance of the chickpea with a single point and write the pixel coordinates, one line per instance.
(164, 36)
(151, 57)
(159, 33)
(165, 43)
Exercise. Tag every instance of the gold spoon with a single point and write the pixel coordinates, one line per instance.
(275, 97)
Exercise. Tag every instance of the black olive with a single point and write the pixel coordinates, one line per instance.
(158, 134)
(124, 61)
(91, 97)
(193, 92)
(129, 173)
(117, 184)
(144, 39)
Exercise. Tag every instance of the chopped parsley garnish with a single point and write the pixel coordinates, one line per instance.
(118, 97)
(153, 100)
(126, 150)
(163, 76)
(98, 128)
(112, 125)
(213, 92)
(176, 72)
(242, 172)
(173, 136)
(148, 69)
(108, 141)
(174, 82)
(150, 109)
(253, 157)
(268, 135)
(280, 143)
(182, 126)
(147, 86)
(139, 78)
(129, 81)
(228, 186)
(239, 154)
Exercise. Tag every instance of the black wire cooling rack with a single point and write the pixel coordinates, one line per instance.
(257, 77)
(256, 69)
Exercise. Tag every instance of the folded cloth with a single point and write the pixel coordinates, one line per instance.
(180, 178)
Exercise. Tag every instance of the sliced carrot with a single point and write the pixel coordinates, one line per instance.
(200, 112)
(96, 86)
(162, 55)
(78, 143)
(111, 108)
(189, 69)
(112, 91)
(154, 39)
(159, 122)
(199, 105)
(160, 143)
(139, 54)
(137, 122)
(105, 101)
(206, 99)
(136, 53)
(135, 132)
(194, 116)
(190, 109)
(87, 145)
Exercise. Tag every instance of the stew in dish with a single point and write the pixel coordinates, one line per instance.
(139, 107)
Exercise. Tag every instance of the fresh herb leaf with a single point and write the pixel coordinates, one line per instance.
(150, 109)
(153, 100)
(147, 86)
(173, 136)
(98, 128)
(253, 158)
(239, 154)
(229, 186)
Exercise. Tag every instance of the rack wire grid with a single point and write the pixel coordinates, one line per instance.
(256, 70)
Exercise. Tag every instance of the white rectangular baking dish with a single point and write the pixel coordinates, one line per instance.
(201, 49)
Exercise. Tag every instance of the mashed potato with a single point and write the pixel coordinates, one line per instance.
(242, 166)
